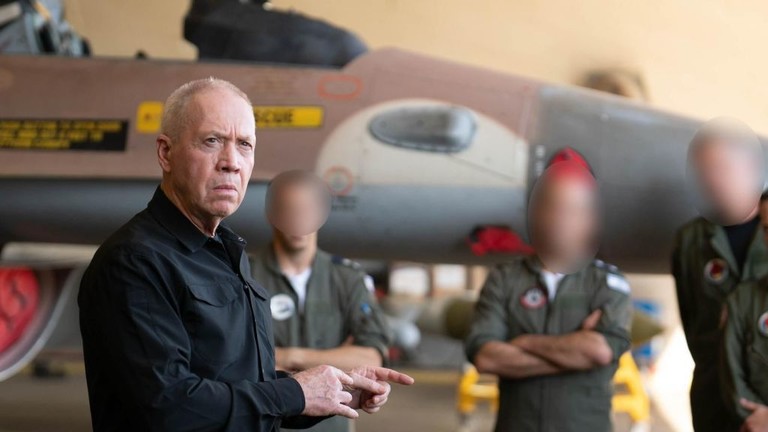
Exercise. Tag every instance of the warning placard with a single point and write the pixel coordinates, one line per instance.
(149, 115)
(94, 135)
(288, 116)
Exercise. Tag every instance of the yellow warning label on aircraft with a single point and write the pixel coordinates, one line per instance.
(148, 117)
(64, 134)
(294, 117)
(150, 113)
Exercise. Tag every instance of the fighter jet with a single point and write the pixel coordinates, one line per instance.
(420, 155)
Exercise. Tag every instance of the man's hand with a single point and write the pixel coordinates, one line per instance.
(591, 321)
(758, 420)
(370, 389)
(324, 392)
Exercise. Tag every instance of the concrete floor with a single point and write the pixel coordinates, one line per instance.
(29, 404)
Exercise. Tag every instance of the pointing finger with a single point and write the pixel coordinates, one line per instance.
(384, 374)
(367, 384)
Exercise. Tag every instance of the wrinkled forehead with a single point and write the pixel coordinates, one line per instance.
(221, 109)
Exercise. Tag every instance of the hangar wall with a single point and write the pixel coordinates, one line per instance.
(698, 57)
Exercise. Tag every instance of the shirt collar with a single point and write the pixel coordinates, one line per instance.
(173, 220)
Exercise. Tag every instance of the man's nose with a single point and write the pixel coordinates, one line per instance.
(229, 158)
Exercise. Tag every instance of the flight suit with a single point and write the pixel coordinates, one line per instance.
(745, 346)
(338, 305)
(514, 302)
(706, 272)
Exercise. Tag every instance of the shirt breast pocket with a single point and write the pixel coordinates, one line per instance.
(216, 320)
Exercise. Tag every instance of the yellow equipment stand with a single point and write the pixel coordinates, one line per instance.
(634, 401)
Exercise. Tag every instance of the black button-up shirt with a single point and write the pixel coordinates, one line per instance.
(176, 334)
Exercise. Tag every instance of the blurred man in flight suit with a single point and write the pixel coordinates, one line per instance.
(176, 334)
(322, 310)
(553, 325)
(714, 253)
(745, 348)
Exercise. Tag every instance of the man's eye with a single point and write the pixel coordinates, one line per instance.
(212, 140)
(246, 144)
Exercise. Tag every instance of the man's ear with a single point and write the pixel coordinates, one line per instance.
(164, 152)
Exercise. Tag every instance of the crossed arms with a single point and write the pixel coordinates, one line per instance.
(602, 337)
(535, 355)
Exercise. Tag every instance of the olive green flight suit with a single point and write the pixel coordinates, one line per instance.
(745, 347)
(338, 305)
(514, 302)
(705, 272)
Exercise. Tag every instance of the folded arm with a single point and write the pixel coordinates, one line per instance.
(507, 360)
(580, 350)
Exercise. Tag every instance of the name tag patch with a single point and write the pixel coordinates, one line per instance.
(282, 307)
(617, 283)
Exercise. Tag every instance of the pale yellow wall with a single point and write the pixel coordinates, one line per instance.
(698, 57)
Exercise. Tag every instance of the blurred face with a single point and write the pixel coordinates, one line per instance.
(297, 211)
(295, 243)
(728, 179)
(564, 223)
(208, 168)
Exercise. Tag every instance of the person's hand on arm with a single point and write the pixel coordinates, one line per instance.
(487, 344)
(507, 360)
(580, 350)
(758, 417)
(602, 338)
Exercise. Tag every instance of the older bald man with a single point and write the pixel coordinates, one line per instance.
(176, 334)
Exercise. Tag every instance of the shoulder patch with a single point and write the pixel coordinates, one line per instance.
(282, 307)
(336, 259)
(605, 266)
(618, 283)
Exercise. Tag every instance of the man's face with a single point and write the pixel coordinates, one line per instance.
(211, 163)
(564, 222)
(729, 181)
